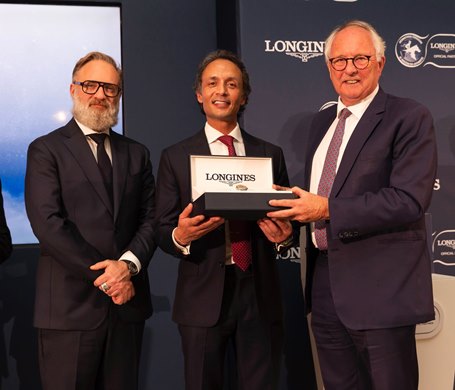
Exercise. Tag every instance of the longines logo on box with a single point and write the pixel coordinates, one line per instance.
(303, 50)
(230, 179)
(413, 50)
(444, 248)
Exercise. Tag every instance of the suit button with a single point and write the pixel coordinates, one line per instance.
(221, 264)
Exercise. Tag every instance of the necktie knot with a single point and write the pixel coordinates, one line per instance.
(344, 113)
(98, 138)
(229, 142)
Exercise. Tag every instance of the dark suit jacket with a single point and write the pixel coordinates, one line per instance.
(200, 280)
(6, 246)
(379, 263)
(70, 214)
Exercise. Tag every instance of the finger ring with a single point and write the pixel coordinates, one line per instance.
(105, 287)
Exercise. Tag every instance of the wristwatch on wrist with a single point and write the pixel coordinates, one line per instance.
(286, 244)
(132, 268)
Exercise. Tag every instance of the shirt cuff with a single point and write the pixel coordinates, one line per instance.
(185, 250)
(130, 256)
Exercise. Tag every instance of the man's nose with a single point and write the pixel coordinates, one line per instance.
(350, 67)
(222, 89)
(100, 93)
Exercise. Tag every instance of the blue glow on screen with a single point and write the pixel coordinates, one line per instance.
(40, 46)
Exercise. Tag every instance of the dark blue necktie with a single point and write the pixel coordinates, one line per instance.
(104, 163)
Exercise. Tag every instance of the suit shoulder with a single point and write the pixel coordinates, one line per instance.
(326, 114)
(405, 105)
(124, 138)
(247, 137)
(129, 141)
(50, 138)
(180, 146)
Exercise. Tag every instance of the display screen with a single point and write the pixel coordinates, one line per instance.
(40, 44)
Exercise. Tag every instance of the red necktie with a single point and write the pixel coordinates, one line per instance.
(239, 231)
(328, 175)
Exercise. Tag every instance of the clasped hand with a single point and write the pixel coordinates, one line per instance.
(115, 281)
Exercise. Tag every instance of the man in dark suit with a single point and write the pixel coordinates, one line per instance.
(369, 279)
(90, 202)
(6, 246)
(216, 301)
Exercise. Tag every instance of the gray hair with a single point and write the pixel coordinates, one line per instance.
(96, 55)
(378, 42)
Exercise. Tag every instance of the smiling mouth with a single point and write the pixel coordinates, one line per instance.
(98, 104)
(221, 102)
(351, 81)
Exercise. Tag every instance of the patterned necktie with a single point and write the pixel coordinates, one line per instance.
(239, 231)
(328, 175)
(104, 163)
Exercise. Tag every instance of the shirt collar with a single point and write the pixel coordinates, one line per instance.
(87, 130)
(358, 109)
(213, 134)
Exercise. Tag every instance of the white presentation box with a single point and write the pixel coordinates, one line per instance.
(233, 187)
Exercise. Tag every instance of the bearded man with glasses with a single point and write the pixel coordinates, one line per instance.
(370, 169)
(89, 195)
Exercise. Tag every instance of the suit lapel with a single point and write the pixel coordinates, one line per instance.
(198, 145)
(78, 147)
(367, 124)
(253, 148)
(120, 158)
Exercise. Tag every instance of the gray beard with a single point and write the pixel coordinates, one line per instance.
(93, 119)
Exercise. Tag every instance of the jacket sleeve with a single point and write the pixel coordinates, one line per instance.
(6, 246)
(168, 204)
(143, 243)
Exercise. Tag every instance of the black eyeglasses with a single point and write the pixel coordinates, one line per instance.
(340, 63)
(91, 87)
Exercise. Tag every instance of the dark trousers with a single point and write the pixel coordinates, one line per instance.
(257, 343)
(106, 358)
(379, 359)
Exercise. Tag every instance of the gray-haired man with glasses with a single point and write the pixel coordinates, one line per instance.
(89, 196)
(360, 62)
(91, 87)
(370, 169)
